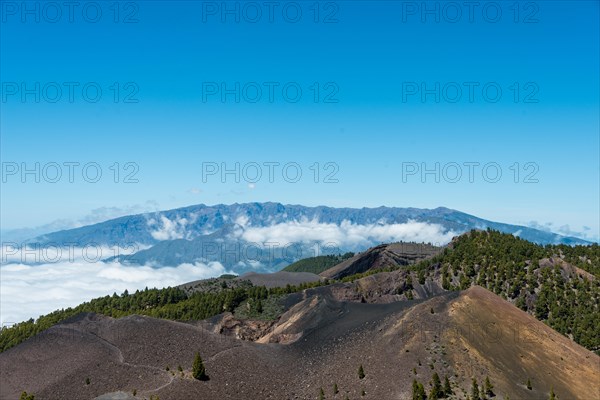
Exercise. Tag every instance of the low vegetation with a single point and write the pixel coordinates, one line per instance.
(198, 370)
(530, 276)
(318, 264)
(169, 303)
(361, 372)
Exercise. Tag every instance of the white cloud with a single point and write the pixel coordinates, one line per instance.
(28, 291)
(586, 233)
(167, 229)
(65, 279)
(542, 227)
(242, 220)
(518, 233)
(346, 234)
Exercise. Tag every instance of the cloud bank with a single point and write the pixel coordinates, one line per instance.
(586, 233)
(37, 284)
(28, 291)
(346, 235)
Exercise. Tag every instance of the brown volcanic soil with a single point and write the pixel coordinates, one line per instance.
(132, 353)
(511, 347)
(318, 342)
(276, 279)
(385, 255)
(280, 278)
(479, 334)
(381, 287)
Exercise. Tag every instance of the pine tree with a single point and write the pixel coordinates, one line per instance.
(529, 384)
(418, 391)
(361, 372)
(447, 387)
(475, 390)
(489, 388)
(335, 388)
(436, 389)
(321, 394)
(552, 395)
(198, 370)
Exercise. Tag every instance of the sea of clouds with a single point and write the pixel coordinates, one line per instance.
(31, 288)
(34, 281)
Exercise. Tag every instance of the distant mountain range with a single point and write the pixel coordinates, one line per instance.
(269, 236)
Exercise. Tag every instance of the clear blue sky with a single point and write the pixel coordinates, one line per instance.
(371, 56)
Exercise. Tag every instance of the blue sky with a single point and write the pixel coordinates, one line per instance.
(366, 57)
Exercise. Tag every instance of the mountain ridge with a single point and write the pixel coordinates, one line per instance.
(357, 215)
(266, 237)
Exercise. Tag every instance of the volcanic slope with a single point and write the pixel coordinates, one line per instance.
(382, 256)
(316, 343)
